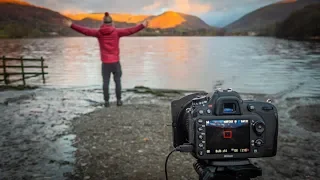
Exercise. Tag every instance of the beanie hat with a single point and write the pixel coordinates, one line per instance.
(107, 18)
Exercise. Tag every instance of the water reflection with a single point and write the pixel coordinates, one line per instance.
(248, 64)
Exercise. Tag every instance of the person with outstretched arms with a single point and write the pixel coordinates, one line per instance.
(108, 37)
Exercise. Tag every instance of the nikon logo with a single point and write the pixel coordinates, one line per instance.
(228, 156)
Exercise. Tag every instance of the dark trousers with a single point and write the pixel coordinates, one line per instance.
(115, 69)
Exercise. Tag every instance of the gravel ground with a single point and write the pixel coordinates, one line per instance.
(65, 133)
(131, 142)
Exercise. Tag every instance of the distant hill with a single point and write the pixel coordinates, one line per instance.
(88, 22)
(21, 2)
(165, 20)
(128, 18)
(302, 24)
(172, 19)
(267, 16)
(21, 19)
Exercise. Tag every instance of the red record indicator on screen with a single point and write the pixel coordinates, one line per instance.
(227, 134)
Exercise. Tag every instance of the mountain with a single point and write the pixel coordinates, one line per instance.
(21, 19)
(88, 22)
(302, 24)
(128, 18)
(165, 20)
(267, 16)
(21, 2)
(172, 19)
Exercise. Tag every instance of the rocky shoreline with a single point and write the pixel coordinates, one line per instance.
(67, 134)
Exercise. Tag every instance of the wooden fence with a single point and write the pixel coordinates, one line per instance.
(21, 65)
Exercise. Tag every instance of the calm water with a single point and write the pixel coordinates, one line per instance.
(247, 64)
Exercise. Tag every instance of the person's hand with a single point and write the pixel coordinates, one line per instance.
(145, 23)
(67, 22)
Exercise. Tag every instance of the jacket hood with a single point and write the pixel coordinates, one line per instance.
(106, 29)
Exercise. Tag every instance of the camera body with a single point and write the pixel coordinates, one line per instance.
(223, 126)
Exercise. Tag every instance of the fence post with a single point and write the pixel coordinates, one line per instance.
(4, 70)
(22, 71)
(43, 78)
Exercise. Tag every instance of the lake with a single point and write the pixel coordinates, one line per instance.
(247, 64)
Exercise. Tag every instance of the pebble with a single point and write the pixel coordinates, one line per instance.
(83, 164)
(87, 177)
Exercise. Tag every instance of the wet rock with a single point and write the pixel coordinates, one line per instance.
(62, 163)
(52, 161)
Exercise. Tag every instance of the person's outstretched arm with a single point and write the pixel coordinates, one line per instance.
(129, 31)
(81, 29)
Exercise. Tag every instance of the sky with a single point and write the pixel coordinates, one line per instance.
(214, 12)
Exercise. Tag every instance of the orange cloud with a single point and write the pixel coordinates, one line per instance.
(191, 6)
(72, 11)
(152, 7)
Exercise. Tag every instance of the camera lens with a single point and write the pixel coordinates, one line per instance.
(259, 127)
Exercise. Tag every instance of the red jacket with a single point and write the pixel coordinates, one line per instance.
(108, 37)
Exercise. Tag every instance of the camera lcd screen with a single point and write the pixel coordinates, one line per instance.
(227, 136)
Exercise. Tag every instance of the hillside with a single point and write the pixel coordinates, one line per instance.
(21, 2)
(166, 20)
(268, 16)
(172, 19)
(88, 22)
(127, 18)
(302, 24)
(20, 19)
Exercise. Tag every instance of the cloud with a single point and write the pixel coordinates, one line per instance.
(72, 11)
(152, 7)
(195, 7)
(216, 12)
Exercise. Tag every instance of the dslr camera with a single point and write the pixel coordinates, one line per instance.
(221, 129)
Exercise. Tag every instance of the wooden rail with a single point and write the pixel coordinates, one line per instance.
(6, 74)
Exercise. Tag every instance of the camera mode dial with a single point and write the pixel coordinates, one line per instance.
(259, 127)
